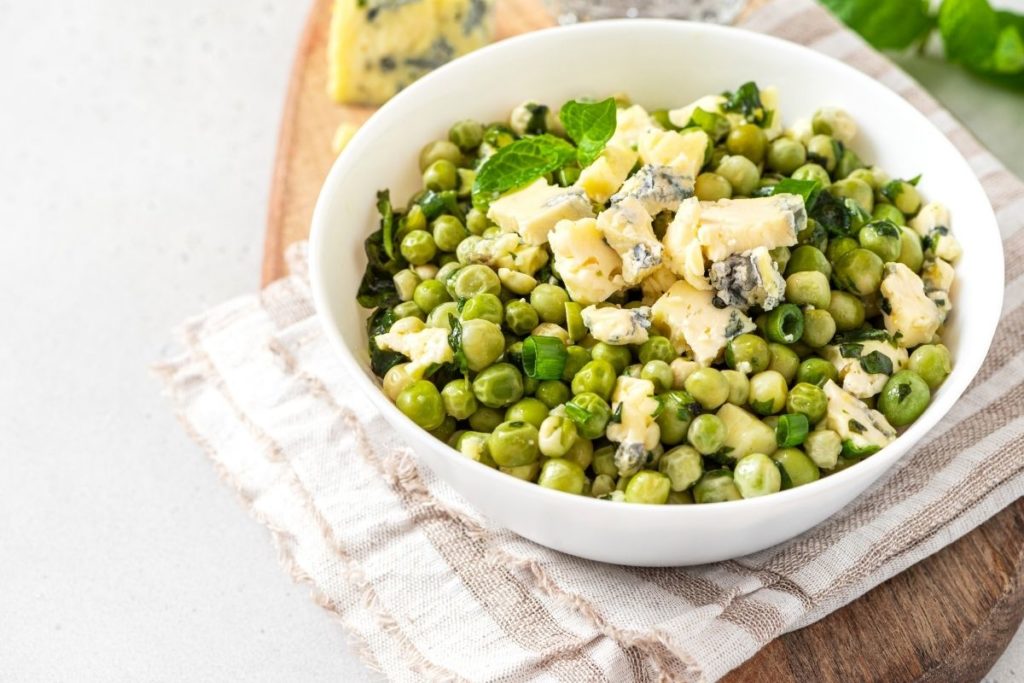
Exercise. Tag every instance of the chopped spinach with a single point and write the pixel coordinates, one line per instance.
(380, 360)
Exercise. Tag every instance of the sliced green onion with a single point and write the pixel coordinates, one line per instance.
(785, 324)
(791, 430)
(544, 357)
(577, 413)
(574, 321)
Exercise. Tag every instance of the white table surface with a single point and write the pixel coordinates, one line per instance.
(136, 141)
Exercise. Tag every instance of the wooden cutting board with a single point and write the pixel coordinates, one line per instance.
(948, 618)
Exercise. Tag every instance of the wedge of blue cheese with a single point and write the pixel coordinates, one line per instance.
(683, 253)
(910, 315)
(657, 188)
(748, 279)
(692, 322)
(734, 226)
(590, 269)
(858, 380)
(378, 47)
(534, 210)
(506, 251)
(631, 123)
(862, 430)
(629, 230)
(618, 326)
(932, 224)
(684, 152)
(605, 175)
(937, 276)
(636, 432)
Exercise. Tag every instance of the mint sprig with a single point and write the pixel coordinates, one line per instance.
(519, 164)
(590, 125)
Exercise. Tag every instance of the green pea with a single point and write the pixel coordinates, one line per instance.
(439, 317)
(708, 387)
(408, 309)
(911, 251)
(418, 247)
(756, 475)
(498, 386)
(768, 392)
(807, 399)
(847, 311)
(859, 271)
(784, 360)
(741, 173)
(525, 472)
(591, 414)
(813, 235)
(597, 376)
(414, 219)
(822, 150)
(467, 134)
(716, 486)
(747, 140)
(476, 221)
(562, 475)
(707, 433)
(429, 294)
(904, 196)
(439, 150)
(805, 258)
(747, 353)
(839, 246)
(657, 348)
(848, 163)
(552, 393)
(865, 175)
(808, 288)
(459, 401)
(785, 324)
(405, 283)
(604, 462)
(677, 408)
(932, 363)
(445, 431)
(659, 373)
(482, 343)
(881, 237)
(618, 356)
(576, 358)
(649, 488)
(557, 435)
(780, 257)
(574, 321)
(520, 317)
(816, 371)
(812, 171)
(421, 402)
(739, 387)
(683, 466)
(484, 306)
(854, 189)
(485, 419)
(448, 233)
(603, 485)
(475, 279)
(549, 302)
(680, 498)
(888, 212)
(786, 155)
(529, 410)
(465, 253)
(440, 176)
(795, 467)
(904, 397)
(710, 187)
(819, 328)
(514, 444)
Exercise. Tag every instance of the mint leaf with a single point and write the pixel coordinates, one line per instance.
(876, 363)
(747, 101)
(886, 24)
(590, 125)
(982, 39)
(1008, 56)
(520, 163)
(808, 189)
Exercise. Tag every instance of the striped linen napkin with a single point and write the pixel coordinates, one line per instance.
(427, 590)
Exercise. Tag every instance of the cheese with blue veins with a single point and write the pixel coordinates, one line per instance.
(618, 326)
(748, 279)
(937, 276)
(629, 230)
(856, 380)
(861, 428)
(692, 322)
(630, 123)
(376, 48)
(535, 209)
(423, 346)
(590, 269)
(683, 253)
(733, 226)
(932, 224)
(602, 178)
(636, 432)
(909, 314)
(657, 188)
(683, 152)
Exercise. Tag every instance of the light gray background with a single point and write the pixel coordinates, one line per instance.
(136, 141)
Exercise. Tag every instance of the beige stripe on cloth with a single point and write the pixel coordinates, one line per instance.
(426, 590)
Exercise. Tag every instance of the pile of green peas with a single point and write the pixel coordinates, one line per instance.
(750, 425)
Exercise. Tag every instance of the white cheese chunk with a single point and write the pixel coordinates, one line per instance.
(932, 215)
(656, 284)
(590, 269)
(691, 321)
(862, 429)
(423, 346)
(748, 279)
(630, 123)
(618, 326)
(683, 152)
(910, 315)
(733, 226)
(683, 253)
(629, 230)
(837, 123)
(657, 188)
(937, 276)
(770, 100)
(535, 209)
(802, 131)
(636, 432)
(855, 379)
(602, 178)
(709, 103)
(932, 224)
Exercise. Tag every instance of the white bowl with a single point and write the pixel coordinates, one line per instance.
(659, 64)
